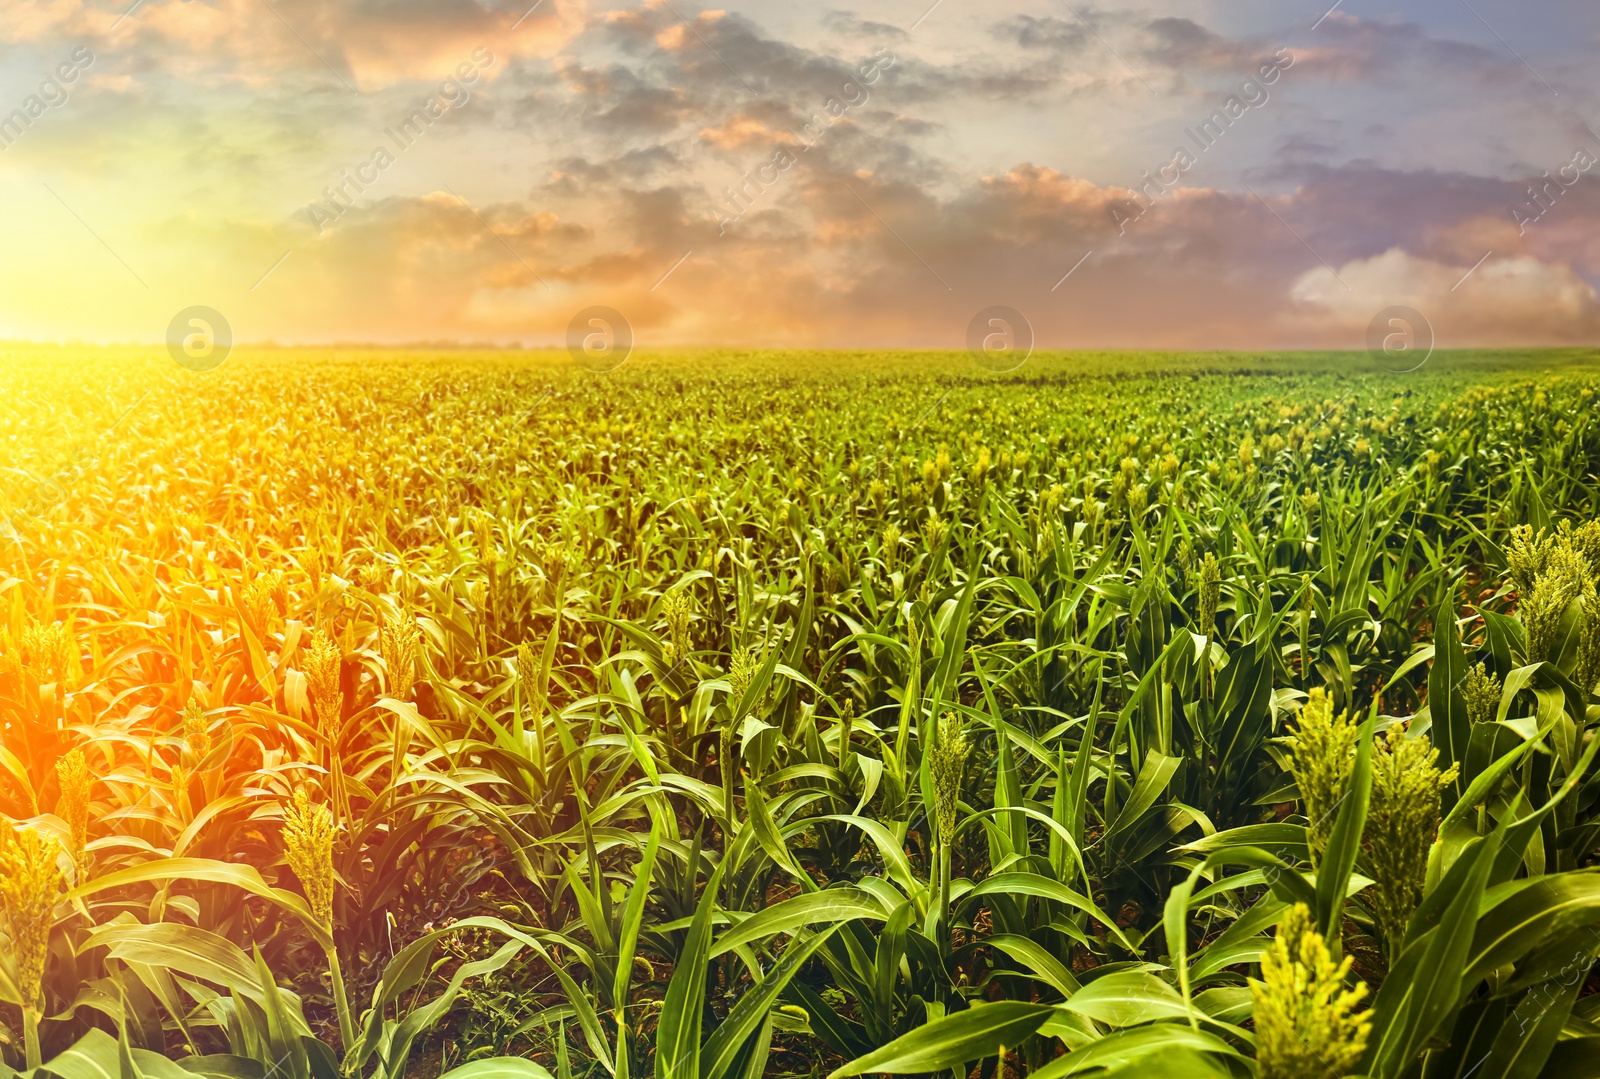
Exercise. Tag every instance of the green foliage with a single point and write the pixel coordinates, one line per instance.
(720, 719)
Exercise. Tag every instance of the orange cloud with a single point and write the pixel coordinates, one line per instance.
(742, 130)
(253, 41)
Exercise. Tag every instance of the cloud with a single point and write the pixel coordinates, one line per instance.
(1054, 35)
(251, 41)
(848, 24)
(1509, 301)
(831, 256)
(1184, 44)
(602, 144)
(742, 130)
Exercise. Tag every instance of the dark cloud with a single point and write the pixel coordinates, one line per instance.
(1184, 45)
(1049, 33)
(851, 25)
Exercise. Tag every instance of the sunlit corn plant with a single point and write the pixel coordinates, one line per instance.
(30, 888)
(72, 804)
(308, 842)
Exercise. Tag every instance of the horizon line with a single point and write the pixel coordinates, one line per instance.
(270, 345)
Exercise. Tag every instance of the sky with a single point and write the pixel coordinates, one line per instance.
(1201, 175)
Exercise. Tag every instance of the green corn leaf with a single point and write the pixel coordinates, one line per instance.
(1520, 916)
(1037, 960)
(1154, 775)
(632, 922)
(1446, 704)
(754, 1007)
(415, 1022)
(498, 1068)
(683, 1010)
(1574, 1058)
(1137, 1047)
(886, 958)
(1008, 795)
(1424, 986)
(889, 848)
(1344, 841)
(282, 1037)
(1529, 1033)
(941, 688)
(1044, 888)
(126, 1068)
(97, 1055)
(830, 906)
(244, 877)
(847, 1038)
(179, 948)
(1127, 998)
(953, 1041)
(223, 1066)
(766, 833)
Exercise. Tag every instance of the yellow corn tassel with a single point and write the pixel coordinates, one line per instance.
(72, 772)
(30, 883)
(308, 845)
(1307, 1025)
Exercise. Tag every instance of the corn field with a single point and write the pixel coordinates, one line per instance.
(372, 714)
